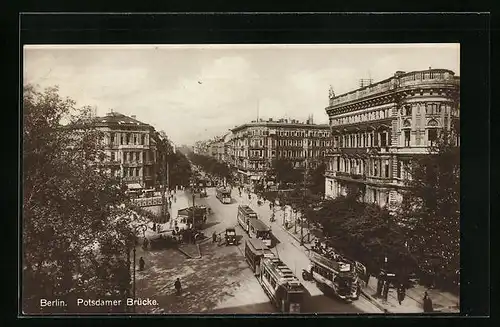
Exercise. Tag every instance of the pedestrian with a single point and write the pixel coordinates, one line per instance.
(427, 303)
(380, 285)
(214, 237)
(177, 286)
(175, 199)
(401, 293)
(154, 227)
(386, 290)
(141, 264)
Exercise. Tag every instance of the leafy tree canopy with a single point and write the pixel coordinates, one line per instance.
(74, 238)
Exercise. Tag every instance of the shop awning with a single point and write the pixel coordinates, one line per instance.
(134, 186)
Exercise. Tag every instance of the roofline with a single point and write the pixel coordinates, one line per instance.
(396, 76)
(280, 124)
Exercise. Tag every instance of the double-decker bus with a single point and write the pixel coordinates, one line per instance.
(245, 214)
(223, 194)
(335, 272)
(255, 250)
(281, 285)
(257, 229)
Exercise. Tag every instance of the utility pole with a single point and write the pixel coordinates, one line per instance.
(302, 222)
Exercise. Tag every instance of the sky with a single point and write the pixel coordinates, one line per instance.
(195, 92)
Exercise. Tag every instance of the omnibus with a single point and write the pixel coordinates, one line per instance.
(245, 214)
(223, 194)
(281, 285)
(255, 250)
(337, 273)
(257, 229)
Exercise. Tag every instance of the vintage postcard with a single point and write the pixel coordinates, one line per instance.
(241, 179)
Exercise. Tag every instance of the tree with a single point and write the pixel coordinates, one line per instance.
(75, 243)
(363, 232)
(316, 179)
(283, 172)
(431, 209)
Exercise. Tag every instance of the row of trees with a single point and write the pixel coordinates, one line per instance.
(179, 166)
(284, 173)
(212, 166)
(421, 237)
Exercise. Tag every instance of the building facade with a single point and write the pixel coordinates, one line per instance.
(253, 146)
(379, 128)
(130, 149)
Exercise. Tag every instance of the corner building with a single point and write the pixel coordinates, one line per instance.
(130, 148)
(253, 146)
(379, 128)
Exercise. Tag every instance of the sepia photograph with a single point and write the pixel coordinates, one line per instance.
(240, 179)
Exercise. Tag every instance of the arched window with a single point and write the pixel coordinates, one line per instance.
(407, 123)
(432, 123)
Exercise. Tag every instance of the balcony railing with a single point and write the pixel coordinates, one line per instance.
(132, 146)
(350, 175)
(147, 202)
(132, 179)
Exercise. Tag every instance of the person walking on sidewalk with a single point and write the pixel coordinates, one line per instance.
(141, 264)
(214, 237)
(427, 303)
(401, 293)
(178, 287)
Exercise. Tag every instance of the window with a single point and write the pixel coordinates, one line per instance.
(432, 135)
(407, 110)
(375, 168)
(112, 156)
(387, 168)
(383, 139)
(398, 170)
(407, 138)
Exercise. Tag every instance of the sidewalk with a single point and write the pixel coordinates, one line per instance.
(413, 302)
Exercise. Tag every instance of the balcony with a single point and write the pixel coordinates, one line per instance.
(132, 164)
(111, 163)
(132, 146)
(254, 158)
(136, 179)
(350, 175)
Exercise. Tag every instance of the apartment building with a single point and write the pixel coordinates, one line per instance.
(379, 128)
(254, 145)
(130, 148)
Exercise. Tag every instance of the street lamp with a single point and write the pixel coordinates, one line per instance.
(142, 228)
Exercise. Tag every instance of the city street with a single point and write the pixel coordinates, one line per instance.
(288, 249)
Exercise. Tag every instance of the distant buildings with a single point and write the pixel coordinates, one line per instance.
(377, 129)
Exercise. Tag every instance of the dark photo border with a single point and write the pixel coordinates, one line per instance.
(472, 31)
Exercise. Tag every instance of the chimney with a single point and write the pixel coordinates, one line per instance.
(133, 116)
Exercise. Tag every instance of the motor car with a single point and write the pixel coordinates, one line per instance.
(230, 236)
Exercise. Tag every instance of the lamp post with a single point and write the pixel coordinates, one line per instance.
(143, 228)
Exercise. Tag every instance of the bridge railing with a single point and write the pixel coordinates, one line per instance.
(147, 202)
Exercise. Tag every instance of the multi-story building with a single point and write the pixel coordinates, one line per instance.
(379, 128)
(130, 148)
(254, 145)
(216, 148)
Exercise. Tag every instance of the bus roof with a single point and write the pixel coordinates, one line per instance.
(338, 266)
(281, 271)
(247, 210)
(259, 225)
(257, 244)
